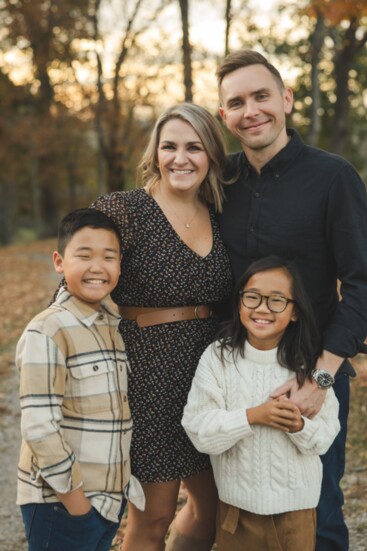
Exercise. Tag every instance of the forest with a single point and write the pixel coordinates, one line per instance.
(82, 82)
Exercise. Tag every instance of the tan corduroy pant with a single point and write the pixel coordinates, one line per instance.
(239, 530)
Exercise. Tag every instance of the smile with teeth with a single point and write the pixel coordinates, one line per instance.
(177, 171)
(262, 321)
(95, 281)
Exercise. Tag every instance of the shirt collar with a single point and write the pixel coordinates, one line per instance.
(281, 160)
(81, 310)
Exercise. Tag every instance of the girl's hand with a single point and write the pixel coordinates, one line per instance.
(278, 414)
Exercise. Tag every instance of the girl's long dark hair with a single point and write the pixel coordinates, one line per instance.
(300, 345)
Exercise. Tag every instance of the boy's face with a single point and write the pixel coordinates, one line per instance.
(90, 264)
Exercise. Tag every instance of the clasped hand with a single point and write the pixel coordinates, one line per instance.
(279, 413)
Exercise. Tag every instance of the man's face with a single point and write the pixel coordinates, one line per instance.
(254, 109)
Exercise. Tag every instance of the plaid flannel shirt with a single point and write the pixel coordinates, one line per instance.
(75, 418)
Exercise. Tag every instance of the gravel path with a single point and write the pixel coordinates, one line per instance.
(11, 527)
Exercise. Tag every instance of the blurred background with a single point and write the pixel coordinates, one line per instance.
(82, 82)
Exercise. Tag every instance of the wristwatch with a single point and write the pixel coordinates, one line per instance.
(324, 379)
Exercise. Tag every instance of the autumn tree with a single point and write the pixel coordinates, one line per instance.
(347, 27)
(13, 102)
(322, 55)
(123, 89)
(44, 32)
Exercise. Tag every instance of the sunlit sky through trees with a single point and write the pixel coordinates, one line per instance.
(207, 29)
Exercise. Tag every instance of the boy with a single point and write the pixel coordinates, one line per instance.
(74, 467)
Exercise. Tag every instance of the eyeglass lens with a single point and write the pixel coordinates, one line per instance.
(275, 303)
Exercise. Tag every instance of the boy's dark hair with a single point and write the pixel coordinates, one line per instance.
(245, 58)
(82, 218)
(300, 345)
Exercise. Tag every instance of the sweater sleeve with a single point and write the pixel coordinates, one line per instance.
(319, 433)
(210, 426)
(42, 382)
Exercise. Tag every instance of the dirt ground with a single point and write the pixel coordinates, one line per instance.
(28, 282)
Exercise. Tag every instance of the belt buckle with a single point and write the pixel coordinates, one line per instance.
(196, 312)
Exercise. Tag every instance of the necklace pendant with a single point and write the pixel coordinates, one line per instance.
(187, 226)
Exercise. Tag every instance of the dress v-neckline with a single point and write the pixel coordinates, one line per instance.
(160, 211)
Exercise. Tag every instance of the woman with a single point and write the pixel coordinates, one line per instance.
(175, 273)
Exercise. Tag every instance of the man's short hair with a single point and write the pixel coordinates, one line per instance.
(245, 58)
(82, 218)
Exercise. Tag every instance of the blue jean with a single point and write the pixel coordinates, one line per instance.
(332, 532)
(50, 526)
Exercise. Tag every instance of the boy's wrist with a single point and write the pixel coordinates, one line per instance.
(75, 502)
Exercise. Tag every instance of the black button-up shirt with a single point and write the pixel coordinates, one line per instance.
(309, 206)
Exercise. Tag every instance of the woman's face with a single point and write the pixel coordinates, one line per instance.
(182, 159)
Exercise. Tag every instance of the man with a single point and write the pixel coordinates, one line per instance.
(304, 204)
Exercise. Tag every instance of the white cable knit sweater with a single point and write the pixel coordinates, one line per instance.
(256, 468)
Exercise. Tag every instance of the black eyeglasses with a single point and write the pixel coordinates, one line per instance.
(275, 303)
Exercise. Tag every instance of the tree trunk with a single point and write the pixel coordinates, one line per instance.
(316, 43)
(186, 50)
(36, 195)
(6, 226)
(228, 21)
(115, 171)
(70, 166)
(343, 61)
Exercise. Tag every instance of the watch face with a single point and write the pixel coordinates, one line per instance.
(324, 379)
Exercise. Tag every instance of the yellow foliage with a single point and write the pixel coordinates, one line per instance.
(335, 11)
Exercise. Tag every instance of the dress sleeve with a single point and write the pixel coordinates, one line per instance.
(42, 383)
(120, 207)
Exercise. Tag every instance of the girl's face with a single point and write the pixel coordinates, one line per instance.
(182, 159)
(265, 328)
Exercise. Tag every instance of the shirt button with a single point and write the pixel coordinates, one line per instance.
(276, 176)
(95, 368)
(257, 194)
(252, 229)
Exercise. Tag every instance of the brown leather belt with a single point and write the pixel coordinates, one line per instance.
(145, 317)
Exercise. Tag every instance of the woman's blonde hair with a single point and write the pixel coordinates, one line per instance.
(211, 136)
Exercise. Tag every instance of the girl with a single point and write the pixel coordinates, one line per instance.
(263, 452)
